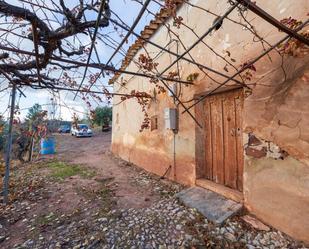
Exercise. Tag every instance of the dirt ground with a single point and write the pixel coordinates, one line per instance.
(84, 197)
(36, 195)
(95, 153)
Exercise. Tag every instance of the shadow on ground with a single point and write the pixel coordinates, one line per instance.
(84, 197)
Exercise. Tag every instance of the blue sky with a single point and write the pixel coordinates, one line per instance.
(127, 10)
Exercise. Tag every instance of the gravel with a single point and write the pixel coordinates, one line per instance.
(166, 224)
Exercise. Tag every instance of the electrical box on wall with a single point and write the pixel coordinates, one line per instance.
(171, 118)
(174, 90)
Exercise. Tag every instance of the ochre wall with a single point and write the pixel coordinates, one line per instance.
(276, 174)
(276, 177)
(276, 191)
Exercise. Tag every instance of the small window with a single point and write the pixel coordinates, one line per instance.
(154, 123)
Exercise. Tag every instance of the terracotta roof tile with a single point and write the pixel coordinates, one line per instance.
(149, 30)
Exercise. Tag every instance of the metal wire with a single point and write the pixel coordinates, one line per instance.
(92, 42)
(245, 67)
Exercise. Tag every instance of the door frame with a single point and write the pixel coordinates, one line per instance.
(200, 150)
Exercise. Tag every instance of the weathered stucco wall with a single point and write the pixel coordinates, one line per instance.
(277, 192)
(276, 113)
(276, 174)
(154, 150)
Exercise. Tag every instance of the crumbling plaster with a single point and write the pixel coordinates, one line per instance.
(276, 112)
(279, 111)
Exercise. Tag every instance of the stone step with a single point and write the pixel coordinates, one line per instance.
(213, 206)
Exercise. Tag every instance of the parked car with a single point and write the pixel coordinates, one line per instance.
(64, 129)
(81, 130)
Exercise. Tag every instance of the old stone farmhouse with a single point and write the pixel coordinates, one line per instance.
(251, 142)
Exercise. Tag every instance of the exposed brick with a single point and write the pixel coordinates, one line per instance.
(253, 140)
(256, 153)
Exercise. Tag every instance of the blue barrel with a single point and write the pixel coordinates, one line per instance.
(48, 146)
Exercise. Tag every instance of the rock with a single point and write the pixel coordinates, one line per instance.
(102, 219)
(230, 229)
(165, 224)
(188, 237)
(263, 241)
(230, 236)
(255, 242)
(250, 246)
(148, 246)
(255, 223)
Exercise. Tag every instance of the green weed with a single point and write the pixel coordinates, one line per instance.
(62, 170)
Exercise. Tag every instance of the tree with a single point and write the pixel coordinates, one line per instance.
(58, 32)
(102, 115)
(34, 111)
(37, 120)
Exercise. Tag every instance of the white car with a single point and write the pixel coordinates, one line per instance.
(81, 130)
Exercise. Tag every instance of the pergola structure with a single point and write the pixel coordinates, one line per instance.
(54, 51)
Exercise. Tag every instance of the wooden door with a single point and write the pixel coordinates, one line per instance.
(223, 134)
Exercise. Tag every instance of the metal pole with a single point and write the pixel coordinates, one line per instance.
(273, 21)
(9, 149)
(182, 104)
(95, 65)
(245, 67)
(102, 6)
(215, 24)
(171, 52)
(141, 13)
